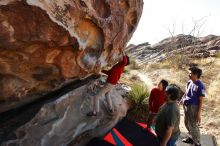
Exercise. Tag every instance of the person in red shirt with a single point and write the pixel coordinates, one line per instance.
(114, 75)
(156, 100)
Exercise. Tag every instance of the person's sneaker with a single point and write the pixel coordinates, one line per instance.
(90, 114)
(187, 140)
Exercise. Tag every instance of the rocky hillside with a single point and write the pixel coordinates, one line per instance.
(184, 45)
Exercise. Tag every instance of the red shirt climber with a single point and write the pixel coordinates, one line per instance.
(115, 72)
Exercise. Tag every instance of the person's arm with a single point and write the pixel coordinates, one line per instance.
(97, 68)
(198, 115)
(123, 52)
(123, 58)
(181, 100)
(201, 92)
(186, 89)
(167, 136)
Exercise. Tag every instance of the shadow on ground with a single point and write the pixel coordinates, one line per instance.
(206, 140)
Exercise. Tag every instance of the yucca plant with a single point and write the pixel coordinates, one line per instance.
(138, 98)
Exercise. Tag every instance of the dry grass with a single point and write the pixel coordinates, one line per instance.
(213, 89)
(218, 55)
(211, 110)
(211, 78)
(154, 66)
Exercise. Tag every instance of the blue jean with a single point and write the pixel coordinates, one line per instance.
(171, 142)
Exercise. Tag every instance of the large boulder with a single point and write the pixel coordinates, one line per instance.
(46, 43)
(63, 121)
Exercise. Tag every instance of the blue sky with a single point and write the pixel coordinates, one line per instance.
(160, 16)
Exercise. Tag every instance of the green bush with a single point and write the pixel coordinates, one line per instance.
(138, 97)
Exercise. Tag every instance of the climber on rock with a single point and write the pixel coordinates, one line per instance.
(114, 75)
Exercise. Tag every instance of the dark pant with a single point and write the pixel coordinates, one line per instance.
(190, 122)
(151, 119)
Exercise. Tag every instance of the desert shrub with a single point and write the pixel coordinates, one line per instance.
(178, 61)
(134, 64)
(138, 98)
(135, 78)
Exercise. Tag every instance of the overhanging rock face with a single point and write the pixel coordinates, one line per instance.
(45, 43)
